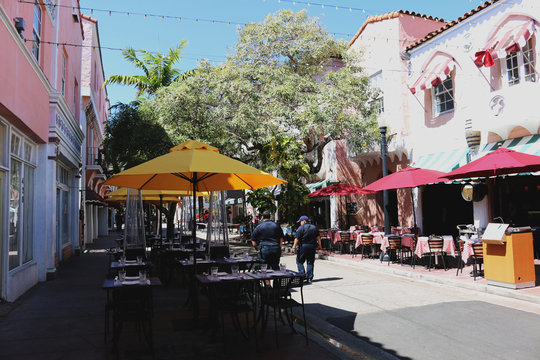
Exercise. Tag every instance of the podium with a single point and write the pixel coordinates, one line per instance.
(509, 259)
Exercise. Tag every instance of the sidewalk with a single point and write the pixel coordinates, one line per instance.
(372, 310)
(64, 319)
(463, 280)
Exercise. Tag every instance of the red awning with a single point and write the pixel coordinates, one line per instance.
(435, 73)
(512, 37)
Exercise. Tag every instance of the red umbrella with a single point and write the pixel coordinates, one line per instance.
(339, 189)
(406, 178)
(499, 162)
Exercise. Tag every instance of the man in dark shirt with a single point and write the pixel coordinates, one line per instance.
(306, 243)
(269, 236)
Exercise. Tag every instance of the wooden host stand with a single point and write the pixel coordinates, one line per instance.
(509, 260)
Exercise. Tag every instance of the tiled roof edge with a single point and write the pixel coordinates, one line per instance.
(390, 15)
(450, 24)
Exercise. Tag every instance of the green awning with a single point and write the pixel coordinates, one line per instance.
(527, 144)
(442, 161)
(317, 185)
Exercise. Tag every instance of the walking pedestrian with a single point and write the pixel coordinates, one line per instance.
(306, 243)
(269, 236)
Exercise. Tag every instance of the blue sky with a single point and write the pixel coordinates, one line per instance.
(214, 41)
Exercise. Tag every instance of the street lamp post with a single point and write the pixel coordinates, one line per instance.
(384, 151)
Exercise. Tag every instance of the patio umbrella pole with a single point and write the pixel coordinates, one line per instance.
(160, 216)
(194, 236)
(194, 229)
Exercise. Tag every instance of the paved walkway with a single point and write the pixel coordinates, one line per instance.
(356, 310)
(365, 306)
(64, 319)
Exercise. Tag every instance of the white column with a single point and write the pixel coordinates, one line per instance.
(103, 221)
(96, 222)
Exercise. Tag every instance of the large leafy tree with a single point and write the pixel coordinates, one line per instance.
(286, 91)
(131, 140)
(158, 69)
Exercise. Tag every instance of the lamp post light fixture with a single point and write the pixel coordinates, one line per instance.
(384, 152)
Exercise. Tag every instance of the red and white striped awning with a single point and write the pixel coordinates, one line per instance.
(434, 73)
(512, 37)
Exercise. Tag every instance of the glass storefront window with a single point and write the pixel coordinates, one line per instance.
(14, 213)
(21, 203)
(28, 213)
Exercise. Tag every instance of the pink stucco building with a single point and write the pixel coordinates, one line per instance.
(42, 130)
(380, 44)
(96, 108)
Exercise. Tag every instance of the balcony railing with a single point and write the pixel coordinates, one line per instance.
(94, 156)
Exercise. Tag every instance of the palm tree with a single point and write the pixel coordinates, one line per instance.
(158, 70)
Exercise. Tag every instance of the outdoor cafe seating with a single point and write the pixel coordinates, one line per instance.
(254, 293)
(436, 248)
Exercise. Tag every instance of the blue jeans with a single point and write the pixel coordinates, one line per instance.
(306, 253)
(270, 255)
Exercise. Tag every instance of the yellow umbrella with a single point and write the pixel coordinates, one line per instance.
(194, 166)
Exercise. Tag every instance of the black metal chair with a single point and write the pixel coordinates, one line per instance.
(367, 242)
(233, 299)
(410, 250)
(460, 244)
(436, 245)
(478, 257)
(346, 241)
(394, 248)
(132, 304)
(326, 240)
(278, 295)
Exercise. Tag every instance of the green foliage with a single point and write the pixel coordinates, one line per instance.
(285, 92)
(157, 68)
(131, 140)
(262, 200)
(287, 77)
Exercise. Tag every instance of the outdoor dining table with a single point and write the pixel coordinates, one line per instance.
(468, 249)
(225, 284)
(448, 245)
(378, 238)
(407, 241)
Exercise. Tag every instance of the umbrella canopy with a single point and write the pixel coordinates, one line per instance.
(406, 178)
(193, 166)
(499, 162)
(191, 163)
(339, 189)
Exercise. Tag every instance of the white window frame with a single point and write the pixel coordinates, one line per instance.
(446, 90)
(376, 80)
(26, 159)
(522, 75)
(37, 21)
